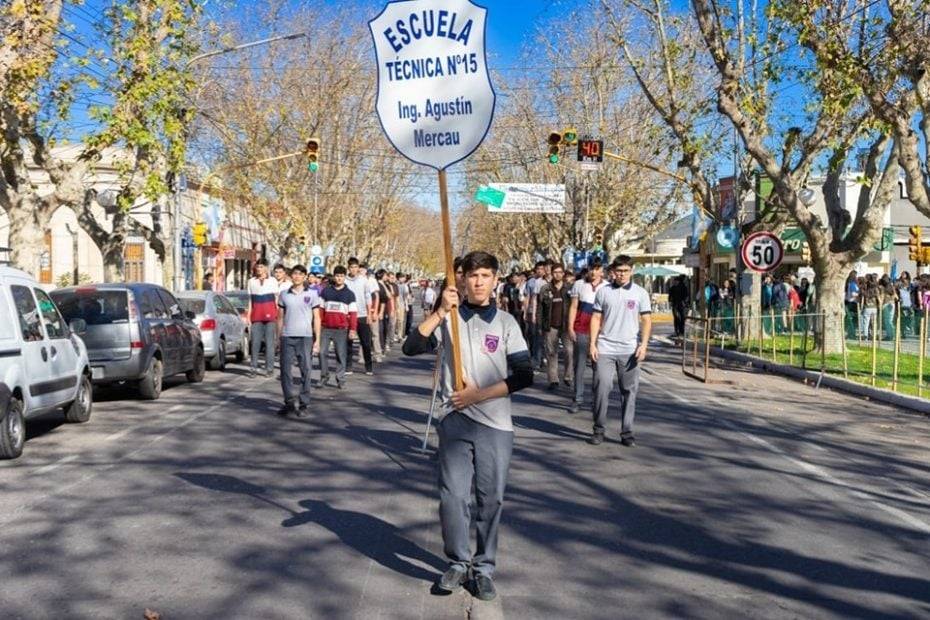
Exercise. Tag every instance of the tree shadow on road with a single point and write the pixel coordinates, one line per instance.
(370, 536)
(366, 534)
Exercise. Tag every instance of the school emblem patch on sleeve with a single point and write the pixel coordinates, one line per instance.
(490, 343)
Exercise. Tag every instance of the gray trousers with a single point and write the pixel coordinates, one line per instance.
(340, 339)
(469, 451)
(553, 337)
(300, 349)
(262, 331)
(582, 343)
(608, 368)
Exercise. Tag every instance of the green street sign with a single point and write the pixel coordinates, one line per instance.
(490, 196)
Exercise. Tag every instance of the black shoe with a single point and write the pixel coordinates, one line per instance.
(553, 386)
(452, 579)
(341, 386)
(484, 588)
(574, 407)
(629, 442)
(567, 382)
(287, 410)
(303, 412)
(596, 439)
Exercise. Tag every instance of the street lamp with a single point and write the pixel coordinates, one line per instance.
(807, 196)
(176, 211)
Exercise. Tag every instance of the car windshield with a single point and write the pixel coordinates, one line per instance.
(95, 307)
(239, 300)
(197, 306)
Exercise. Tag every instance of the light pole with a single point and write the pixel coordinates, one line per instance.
(176, 211)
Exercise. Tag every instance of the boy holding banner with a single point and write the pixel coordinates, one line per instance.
(475, 429)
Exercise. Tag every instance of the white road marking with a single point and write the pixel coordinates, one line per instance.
(810, 468)
(55, 465)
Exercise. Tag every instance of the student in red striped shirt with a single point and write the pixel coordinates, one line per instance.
(263, 315)
(340, 317)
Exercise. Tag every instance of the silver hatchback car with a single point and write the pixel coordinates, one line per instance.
(221, 329)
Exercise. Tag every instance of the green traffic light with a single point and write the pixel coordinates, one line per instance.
(553, 159)
(313, 166)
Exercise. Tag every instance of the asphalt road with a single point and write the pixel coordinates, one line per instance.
(755, 498)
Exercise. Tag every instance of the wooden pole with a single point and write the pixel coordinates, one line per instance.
(921, 350)
(897, 346)
(450, 280)
(878, 315)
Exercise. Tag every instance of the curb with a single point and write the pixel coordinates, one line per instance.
(913, 403)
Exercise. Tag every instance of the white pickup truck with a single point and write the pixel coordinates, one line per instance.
(43, 361)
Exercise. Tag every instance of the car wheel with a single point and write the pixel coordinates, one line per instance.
(196, 374)
(150, 384)
(218, 361)
(12, 431)
(243, 348)
(79, 410)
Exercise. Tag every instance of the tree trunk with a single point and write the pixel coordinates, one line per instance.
(28, 223)
(831, 281)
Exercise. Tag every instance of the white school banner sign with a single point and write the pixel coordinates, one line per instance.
(435, 99)
(529, 198)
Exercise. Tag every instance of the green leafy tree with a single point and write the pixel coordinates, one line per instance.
(754, 63)
(135, 73)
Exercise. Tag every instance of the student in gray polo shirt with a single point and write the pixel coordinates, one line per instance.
(299, 319)
(475, 429)
(620, 330)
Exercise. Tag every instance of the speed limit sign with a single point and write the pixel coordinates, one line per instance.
(762, 251)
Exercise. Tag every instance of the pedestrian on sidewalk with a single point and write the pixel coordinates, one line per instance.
(579, 326)
(620, 329)
(298, 322)
(475, 428)
(679, 298)
(339, 323)
(357, 282)
(554, 302)
(263, 315)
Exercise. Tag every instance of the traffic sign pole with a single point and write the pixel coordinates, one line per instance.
(450, 279)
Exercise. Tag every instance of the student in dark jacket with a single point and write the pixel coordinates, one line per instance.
(554, 302)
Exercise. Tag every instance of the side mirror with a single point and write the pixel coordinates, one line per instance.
(78, 326)
(189, 315)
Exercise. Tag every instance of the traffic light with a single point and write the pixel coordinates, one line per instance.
(805, 252)
(914, 244)
(200, 233)
(570, 137)
(555, 142)
(313, 152)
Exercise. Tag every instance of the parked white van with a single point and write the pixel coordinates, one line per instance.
(43, 361)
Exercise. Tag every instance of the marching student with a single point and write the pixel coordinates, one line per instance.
(298, 322)
(340, 321)
(620, 330)
(475, 429)
(579, 325)
(357, 282)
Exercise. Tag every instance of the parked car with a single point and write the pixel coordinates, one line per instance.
(43, 363)
(240, 301)
(136, 333)
(221, 330)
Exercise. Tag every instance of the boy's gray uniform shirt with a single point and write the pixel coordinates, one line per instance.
(298, 312)
(490, 342)
(620, 308)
